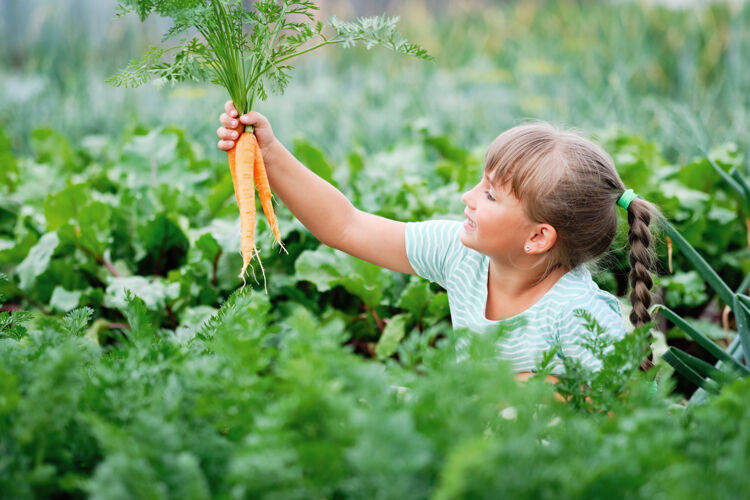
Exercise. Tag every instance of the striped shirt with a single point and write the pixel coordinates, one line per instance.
(436, 253)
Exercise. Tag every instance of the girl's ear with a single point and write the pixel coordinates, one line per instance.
(542, 240)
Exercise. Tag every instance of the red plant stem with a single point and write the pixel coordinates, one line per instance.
(101, 260)
(216, 266)
(378, 320)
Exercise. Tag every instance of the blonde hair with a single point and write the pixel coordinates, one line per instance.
(567, 181)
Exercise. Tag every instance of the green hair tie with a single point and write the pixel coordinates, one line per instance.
(626, 198)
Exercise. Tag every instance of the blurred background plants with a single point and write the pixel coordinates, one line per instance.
(671, 71)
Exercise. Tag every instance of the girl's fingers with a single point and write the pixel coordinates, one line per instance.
(262, 128)
(227, 134)
(226, 145)
(230, 109)
(228, 121)
(255, 119)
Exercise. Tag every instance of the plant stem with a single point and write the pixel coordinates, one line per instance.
(267, 52)
(321, 44)
(215, 267)
(101, 260)
(376, 317)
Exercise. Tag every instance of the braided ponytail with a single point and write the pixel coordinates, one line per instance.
(642, 257)
(641, 261)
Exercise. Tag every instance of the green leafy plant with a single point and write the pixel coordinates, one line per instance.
(255, 406)
(599, 390)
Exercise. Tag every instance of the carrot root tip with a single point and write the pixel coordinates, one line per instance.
(255, 253)
(263, 271)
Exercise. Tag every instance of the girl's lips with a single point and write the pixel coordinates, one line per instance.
(468, 224)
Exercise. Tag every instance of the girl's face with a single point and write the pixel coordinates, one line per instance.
(495, 224)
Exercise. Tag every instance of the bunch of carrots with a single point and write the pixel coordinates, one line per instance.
(249, 172)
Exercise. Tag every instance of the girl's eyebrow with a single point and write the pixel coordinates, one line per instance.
(491, 188)
(487, 178)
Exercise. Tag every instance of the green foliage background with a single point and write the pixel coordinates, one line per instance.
(130, 368)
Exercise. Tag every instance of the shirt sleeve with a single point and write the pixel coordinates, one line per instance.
(605, 309)
(433, 249)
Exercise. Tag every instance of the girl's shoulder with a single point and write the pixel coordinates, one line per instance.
(579, 287)
(576, 291)
(434, 249)
(442, 229)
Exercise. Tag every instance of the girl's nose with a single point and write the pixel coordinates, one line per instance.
(466, 198)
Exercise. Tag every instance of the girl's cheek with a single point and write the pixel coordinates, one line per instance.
(479, 219)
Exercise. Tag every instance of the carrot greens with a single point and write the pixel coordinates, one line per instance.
(247, 50)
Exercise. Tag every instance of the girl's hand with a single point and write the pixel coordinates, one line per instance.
(232, 126)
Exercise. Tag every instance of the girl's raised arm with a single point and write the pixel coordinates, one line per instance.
(319, 206)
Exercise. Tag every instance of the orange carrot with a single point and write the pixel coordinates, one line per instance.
(232, 155)
(264, 193)
(244, 188)
(249, 171)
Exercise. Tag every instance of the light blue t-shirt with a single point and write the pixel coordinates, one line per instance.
(436, 253)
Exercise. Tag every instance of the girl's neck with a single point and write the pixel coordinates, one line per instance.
(520, 284)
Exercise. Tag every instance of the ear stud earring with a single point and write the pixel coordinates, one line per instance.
(527, 248)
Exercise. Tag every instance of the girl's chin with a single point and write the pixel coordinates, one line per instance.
(466, 238)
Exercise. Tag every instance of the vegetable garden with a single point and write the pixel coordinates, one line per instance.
(135, 364)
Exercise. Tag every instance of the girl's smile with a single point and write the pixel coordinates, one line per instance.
(469, 224)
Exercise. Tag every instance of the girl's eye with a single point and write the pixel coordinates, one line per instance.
(489, 196)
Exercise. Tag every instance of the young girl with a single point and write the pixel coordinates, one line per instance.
(545, 205)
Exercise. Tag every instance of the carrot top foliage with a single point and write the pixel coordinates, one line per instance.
(246, 50)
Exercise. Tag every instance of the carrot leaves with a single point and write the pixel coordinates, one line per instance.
(246, 51)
